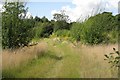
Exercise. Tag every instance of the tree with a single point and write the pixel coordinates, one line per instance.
(61, 16)
(101, 28)
(60, 25)
(61, 21)
(43, 29)
(16, 30)
(37, 19)
(44, 19)
(97, 29)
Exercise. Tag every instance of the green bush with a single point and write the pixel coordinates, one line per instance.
(59, 25)
(101, 28)
(62, 33)
(16, 29)
(76, 31)
(113, 58)
(43, 30)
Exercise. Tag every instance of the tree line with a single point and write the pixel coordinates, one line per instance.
(17, 30)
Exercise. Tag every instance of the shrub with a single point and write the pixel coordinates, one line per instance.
(97, 28)
(43, 30)
(16, 28)
(114, 60)
(62, 33)
(76, 31)
(59, 25)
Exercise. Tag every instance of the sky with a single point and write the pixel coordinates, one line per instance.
(45, 8)
(75, 9)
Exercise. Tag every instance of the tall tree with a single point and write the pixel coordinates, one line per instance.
(61, 21)
(15, 30)
(61, 16)
(44, 19)
(37, 19)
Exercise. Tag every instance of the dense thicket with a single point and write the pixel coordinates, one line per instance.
(101, 28)
(43, 29)
(17, 30)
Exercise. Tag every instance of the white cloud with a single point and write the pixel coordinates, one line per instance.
(87, 8)
(1, 7)
(27, 16)
(54, 11)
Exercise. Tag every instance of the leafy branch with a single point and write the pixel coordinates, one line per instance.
(113, 58)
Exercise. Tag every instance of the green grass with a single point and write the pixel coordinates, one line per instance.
(59, 61)
(69, 65)
(62, 60)
(38, 67)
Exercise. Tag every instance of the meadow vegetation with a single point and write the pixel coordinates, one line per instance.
(39, 48)
(60, 59)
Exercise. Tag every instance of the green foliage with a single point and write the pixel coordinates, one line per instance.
(61, 21)
(113, 36)
(42, 29)
(61, 16)
(97, 28)
(59, 25)
(92, 35)
(62, 33)
(101, 28)
(16, 29)
(113, 58)
(76, 31)
(44, 19)
(37, 19)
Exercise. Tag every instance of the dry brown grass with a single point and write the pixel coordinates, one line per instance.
(15, 58)
(93, 64)
(88, 61)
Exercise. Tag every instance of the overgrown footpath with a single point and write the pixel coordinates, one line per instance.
(63, 59)
(59, 61)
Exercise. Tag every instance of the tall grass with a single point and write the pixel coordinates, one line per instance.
(93, 64)
(16, 58)
(78, 61)
(84, 61)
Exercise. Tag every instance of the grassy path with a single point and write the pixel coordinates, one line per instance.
(69, 66)
(75, 62)
(47, 66)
